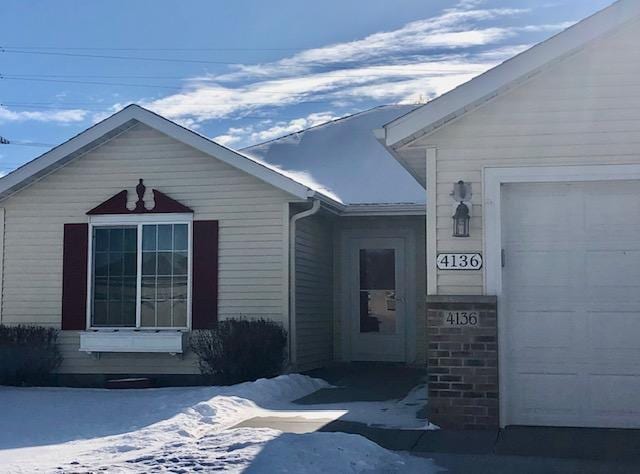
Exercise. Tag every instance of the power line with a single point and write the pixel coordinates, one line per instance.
(54, 107)
(89, 48)
(340, 67)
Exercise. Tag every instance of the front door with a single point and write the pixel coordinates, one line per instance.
(378, 299)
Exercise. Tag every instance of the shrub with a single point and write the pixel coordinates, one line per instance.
(28, 355)
(240, 350)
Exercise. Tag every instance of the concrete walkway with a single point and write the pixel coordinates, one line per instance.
(520, 450)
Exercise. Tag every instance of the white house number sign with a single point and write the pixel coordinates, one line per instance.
(459, 261)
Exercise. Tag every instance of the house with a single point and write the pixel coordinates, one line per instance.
(137, 231)
(548, 145)
(525, 241)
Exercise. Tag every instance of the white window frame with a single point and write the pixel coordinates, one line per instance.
(139, 220)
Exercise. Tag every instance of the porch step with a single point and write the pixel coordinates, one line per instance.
(130, 383)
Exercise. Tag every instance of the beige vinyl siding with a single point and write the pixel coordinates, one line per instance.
(583, 110)
(314, 291)
(252, 217)
(373, 227)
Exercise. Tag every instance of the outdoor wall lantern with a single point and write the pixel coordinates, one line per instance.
(461, 194)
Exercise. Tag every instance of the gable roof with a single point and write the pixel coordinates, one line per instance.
(522, 66)
(342, 158)
(122, 121)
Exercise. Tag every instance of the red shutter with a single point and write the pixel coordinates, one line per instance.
(74, 276)
(204, 306)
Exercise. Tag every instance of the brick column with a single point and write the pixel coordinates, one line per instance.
(462, 362)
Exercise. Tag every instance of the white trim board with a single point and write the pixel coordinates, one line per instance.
(124, 119)
(487, 85)
(493, 179)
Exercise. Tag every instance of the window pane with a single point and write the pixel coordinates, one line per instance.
(115, 313)
(130, 239)
(164, 288)
(129, 288)
(101, 264)
(377, 291)
(378, 311)
(100, 313)
(101, 241)
(149, 237)
(180, 237)
(148, 263)
(115, 264)
(377, 269)
(148, 288)
(148, 313)
(116, 239)
(115, 289)
(180, 263)
(165, 237)
(164, 263)
(129, 313)
(163, 309)
(114, 276)
(179, 288)
(130, 264)
(179, 313)
(101, 288)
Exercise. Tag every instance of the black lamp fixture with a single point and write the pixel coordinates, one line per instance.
(461, 220)
(462, 215)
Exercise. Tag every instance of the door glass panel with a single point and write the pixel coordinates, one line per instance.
(378, 291)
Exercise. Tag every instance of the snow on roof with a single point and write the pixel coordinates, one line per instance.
(344, 160)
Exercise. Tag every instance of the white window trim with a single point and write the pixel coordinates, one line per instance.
(139, 221)
(493, 179)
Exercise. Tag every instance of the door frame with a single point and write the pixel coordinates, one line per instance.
(346, 268)
(493, 178)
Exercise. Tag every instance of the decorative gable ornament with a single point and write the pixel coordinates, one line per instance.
(117, 204)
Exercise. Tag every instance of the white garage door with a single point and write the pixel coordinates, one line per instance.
(571, 304)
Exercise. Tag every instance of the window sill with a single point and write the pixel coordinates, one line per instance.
(171, 342)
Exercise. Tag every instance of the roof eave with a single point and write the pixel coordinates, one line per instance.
(119, 122)
(521, 67)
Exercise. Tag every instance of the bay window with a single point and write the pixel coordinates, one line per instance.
(140, 274)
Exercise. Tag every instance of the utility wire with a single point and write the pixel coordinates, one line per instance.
(239, 116)
(87, 48)
(322, 66)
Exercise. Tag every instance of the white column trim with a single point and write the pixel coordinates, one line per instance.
(431, 222)
(1, 262)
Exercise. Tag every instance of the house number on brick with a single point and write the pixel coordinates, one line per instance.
(461, 318)
(459, 261)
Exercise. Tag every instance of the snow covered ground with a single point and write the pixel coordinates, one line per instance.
(191, 430)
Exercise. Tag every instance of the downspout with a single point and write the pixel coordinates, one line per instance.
(293, 350)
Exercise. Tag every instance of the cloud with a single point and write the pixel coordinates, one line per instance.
(424, 58)
(251, 134)
(59, 116)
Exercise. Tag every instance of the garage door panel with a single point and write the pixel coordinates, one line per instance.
(571, 304)
(606, 268)
(540, 298)
(554, 268)
(617, 395)
(542, 330)
(533, 393)
(614, 330)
